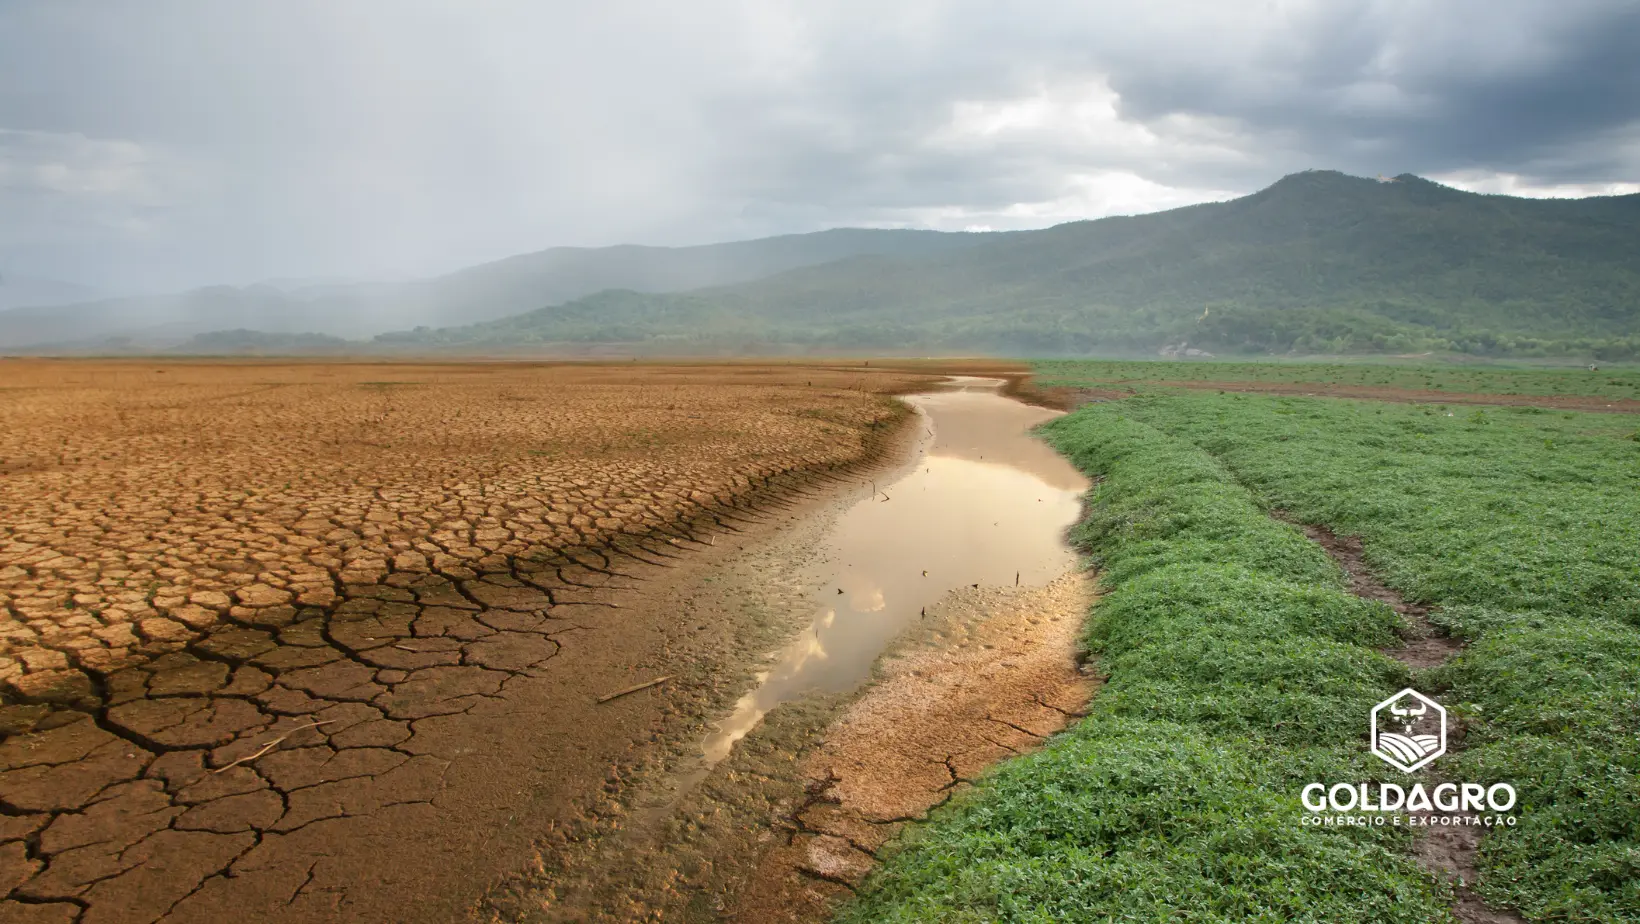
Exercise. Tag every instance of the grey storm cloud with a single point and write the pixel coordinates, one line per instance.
(169, 143)
(1549, 91)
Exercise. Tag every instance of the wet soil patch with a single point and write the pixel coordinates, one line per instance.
(993, 679)
(791, 821)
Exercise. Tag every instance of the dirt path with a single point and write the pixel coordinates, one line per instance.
(1448, 849)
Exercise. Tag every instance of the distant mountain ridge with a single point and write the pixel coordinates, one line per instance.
(19, 291)
(1318, 262)
(476, 294)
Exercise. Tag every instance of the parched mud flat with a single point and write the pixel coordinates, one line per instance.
(321, 642)
(957, 568)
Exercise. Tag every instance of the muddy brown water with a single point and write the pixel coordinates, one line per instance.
(983, 503)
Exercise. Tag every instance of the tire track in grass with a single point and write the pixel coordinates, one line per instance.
(1518, 527)
(1237, 668)
(1448, 849)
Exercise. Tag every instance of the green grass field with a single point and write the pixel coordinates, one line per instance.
(1240, 668)
(1606, 382)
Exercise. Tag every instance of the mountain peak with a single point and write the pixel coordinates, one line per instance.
(1313, 186)
(1316, 177)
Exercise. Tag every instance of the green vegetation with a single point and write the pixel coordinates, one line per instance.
(1605, 382)
(241, 341)
(1523, 525)
(1317, 263)
(1238, 668)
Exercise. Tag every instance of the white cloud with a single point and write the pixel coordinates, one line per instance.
(1510, 184)
(71, 164)
(67, 187)
(1076, 197)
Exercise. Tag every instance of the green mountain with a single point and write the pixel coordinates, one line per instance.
(1318, 262)
(475, 294)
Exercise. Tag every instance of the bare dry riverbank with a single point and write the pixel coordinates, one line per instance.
(954, 565)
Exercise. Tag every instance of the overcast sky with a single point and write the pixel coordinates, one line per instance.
(156, 144)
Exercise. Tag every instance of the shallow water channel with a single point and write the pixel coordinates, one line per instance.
(985, 503)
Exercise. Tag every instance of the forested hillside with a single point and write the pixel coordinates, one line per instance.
(475, 294)
(1318, 262)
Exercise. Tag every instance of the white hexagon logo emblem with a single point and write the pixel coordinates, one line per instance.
(1408, 730)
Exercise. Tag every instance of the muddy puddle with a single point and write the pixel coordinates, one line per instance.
(983, 504)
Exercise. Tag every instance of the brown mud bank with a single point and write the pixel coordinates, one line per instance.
(994, 678)
(954, 566)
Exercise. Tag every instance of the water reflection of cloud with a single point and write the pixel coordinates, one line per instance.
(751, 708)
(745, 717)
(868, 602)
(808, 647)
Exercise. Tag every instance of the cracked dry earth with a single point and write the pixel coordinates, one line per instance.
(305, 642)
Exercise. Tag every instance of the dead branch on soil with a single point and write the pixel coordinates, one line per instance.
(271, 745)
(633, 689)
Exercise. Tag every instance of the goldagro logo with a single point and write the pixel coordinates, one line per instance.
(1422, 735)
(1408, 732)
